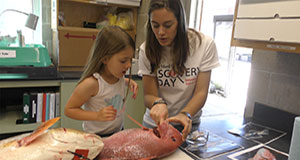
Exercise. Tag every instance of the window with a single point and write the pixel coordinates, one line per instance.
(11, 21)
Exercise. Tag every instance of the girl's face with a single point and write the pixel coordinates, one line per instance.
(164, 25)
(117, 65)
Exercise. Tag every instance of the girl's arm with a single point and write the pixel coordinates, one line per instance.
(81, 94)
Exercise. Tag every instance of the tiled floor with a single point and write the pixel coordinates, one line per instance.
(219, 106)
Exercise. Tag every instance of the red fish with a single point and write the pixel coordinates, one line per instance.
(141, 143)
(263, 154)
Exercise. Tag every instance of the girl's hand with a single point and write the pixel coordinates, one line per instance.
(185, 121)
(159, 113)
(107, 114)
(133, 88)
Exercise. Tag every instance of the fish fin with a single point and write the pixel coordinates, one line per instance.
(39, 131)
(136, 122)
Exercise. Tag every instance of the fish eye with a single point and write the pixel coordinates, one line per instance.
(173, 139)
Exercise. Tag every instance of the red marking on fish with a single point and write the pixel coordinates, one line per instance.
(82, 152)
(141, 143)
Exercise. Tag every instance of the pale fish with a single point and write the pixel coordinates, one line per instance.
(52, 144)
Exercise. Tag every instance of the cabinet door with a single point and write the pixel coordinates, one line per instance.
(273, 30)
(67, 88)
(267, 24)
(269, 9)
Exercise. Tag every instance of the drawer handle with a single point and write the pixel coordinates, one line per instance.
(272, 39)
(276, 15)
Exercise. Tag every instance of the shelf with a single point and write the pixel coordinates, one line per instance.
(81, 29)
(8, 123)
(112, 3)
(89, 30)
(77, 29)
(23, 84)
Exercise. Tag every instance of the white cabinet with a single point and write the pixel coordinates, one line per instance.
(269, 21)
(274, 30)
(270, 9)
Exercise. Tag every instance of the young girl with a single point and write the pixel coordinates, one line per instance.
(98, 96)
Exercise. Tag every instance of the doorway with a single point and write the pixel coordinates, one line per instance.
(229, 82)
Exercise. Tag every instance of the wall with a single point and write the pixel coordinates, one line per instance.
(46, 26)
(142, 23)
(274, 81)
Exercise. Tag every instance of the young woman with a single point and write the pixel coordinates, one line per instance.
(99, 94)
(176, 65)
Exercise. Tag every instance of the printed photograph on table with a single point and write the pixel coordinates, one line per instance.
(259, 152)
(215, 146)
(257, 132)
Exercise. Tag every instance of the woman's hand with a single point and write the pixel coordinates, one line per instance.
(159, 113)
(107, 114)
(185, 121)
(134, 88)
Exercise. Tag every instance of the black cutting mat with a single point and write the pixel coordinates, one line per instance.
(216, 145)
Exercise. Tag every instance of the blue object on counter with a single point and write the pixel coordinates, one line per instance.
(13, 76)
(30, 55)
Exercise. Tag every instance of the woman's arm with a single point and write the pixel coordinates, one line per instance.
(159, 111)
(81, 94)
(150, 90)
(200, 94)
(195, 104)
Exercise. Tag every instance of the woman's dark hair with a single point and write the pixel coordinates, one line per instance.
(180, 43)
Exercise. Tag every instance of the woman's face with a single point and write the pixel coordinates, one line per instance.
(164, 25)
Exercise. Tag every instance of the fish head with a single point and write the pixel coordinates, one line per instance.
(170, 134)
(72, 136)
(71, 139)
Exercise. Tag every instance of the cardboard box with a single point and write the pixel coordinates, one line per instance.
(74, 47)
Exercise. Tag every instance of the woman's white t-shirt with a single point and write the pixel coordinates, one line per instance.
(177, 90)
(108, 94)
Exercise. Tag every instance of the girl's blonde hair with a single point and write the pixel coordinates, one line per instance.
(109, 41)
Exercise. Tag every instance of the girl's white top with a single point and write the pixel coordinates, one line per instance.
(178, 90)
(108, 94)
